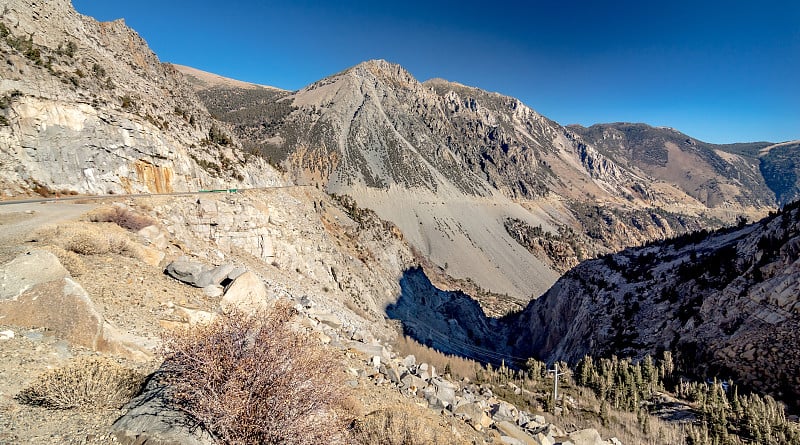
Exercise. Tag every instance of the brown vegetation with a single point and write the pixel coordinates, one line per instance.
(401, 425)
(457, 367)
(255, 379)
(91, 239)
(121, 216)
(86, 383)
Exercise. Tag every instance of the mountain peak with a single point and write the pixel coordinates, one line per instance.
(382, 70)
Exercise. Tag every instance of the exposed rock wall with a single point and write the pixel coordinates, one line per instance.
(88, 108)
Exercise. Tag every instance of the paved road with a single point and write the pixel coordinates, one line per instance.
(139, 195)
(19, 219)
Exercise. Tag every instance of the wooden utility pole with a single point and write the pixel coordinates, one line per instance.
(556, 374)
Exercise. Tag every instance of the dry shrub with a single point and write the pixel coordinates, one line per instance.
(90, 239)
(86, 383)
(121, 216)
(70, 260)
(254, 379)
(401, 425)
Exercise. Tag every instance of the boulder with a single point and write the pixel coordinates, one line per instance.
(150, 420)
(504, 412)
(154, 236)
(150, 256)
(474, 414)
(445, 392)
(37, 291)
(247, 292)
(511, 430)
(185, 270)
(216, 275)
(28, 270)
(587, 436)
(413, 383)
(213, 291)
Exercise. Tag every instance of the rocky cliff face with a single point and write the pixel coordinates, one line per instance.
(726, 303)
(86, 107)
(780, 167)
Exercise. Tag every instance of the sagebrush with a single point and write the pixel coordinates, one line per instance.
(122, 216)
(86, 383)
(256, 379)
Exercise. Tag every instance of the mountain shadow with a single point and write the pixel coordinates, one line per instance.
(448, 321)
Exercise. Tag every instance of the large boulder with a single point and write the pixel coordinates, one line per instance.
(511, 430)
(247, 292)
(37, 291)
(200, 275)
(185, 270)
(474, 414)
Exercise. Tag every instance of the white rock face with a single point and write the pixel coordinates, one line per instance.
(107, 117)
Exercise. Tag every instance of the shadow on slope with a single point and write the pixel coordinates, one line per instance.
(448, 321)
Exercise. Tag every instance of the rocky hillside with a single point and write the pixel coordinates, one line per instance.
(478, 182)
(726, 303)
(86, 107)
(712, 174)
(780, 166)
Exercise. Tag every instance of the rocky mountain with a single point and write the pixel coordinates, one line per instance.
(760, 172)
(479, 183)
(781, 169)
(726, 303)
(86, 107)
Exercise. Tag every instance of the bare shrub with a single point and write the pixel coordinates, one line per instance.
(86, 383)
(254, 379)
(401, 425)
(122, 216)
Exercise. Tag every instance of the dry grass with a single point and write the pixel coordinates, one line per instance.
(87, 383)
(623, 425)
(121, 216)
(459, 367)
(402, 425)
(70, 260)
(91, 239)
(254, 379)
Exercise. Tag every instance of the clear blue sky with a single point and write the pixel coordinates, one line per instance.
(726, 71)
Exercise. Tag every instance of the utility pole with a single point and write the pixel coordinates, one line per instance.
(556, 374)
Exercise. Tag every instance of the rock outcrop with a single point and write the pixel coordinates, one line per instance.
(86, 107)
(37, 291)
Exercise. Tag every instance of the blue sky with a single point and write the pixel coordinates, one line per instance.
(718, 71)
